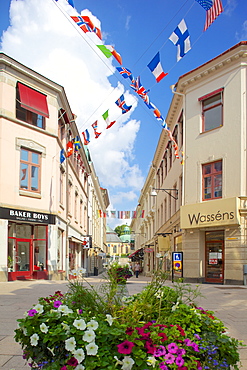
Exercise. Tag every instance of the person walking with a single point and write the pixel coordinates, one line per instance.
(137, 269)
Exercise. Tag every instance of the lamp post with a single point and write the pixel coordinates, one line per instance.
(154, 193)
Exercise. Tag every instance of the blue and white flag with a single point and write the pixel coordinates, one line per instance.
(181, 38)
(156, 68)
(70, 2)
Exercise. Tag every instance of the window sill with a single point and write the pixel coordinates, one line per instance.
(61, 206)
(30, 194)
(212, 129)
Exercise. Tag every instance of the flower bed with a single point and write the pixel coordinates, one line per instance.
(159, 328)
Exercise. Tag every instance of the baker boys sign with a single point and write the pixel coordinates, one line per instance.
(28, 216)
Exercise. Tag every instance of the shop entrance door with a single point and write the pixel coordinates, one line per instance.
(22, 259)
(215, 257)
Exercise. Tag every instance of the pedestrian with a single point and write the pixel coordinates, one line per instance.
(137, 269)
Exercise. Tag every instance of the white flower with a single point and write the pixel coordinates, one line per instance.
(175, 306)
(89, 336)
(66, 327)
(92, 349)
(151, 361)
(44, 328)
(92, 324)
(65, 310)
(74, 273)
(81, 270)
(79, 324)
(128, 362)
(34, 339)
(39, 308)
(79, 355)
(70, 344)
(79, 367)
(24, 331)
(109, 319)
(118, 362)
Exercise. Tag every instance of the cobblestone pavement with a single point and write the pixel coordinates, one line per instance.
(229, 302)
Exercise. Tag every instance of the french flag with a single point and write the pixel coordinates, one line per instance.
(86, 137)
(156, 68)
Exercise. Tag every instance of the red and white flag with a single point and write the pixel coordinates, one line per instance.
(213, 13)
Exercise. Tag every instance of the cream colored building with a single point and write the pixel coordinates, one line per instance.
(207, 221)
(44, 217)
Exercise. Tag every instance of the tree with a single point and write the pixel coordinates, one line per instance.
(120, 229)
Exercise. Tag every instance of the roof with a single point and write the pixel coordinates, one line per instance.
(112, 236)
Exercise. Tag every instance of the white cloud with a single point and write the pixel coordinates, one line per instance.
(45, 39)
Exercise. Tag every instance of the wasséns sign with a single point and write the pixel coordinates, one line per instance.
(28, 216)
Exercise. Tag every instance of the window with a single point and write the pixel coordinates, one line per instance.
(61, 183)
(212, 180)
(59, 249)
(181, 128)
(70, 198)
(30, 168)
(212, 110)
(165, 164)
(31, 106)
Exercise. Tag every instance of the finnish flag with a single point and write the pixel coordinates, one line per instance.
(181, 38)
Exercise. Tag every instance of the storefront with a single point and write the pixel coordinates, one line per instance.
(27, 234)
(212, 241)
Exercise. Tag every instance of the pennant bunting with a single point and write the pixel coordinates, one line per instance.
(158, 115)
(156, 68)
(125, 72)
(107, 120)
(70, 2)
(113, 214)
(62, 156)
(86, 137)
(77, 144)
(95, 126)
(109, 51)
(69, 149)
(133, 214)
(181, 38)
(122, 105)
(212, 13)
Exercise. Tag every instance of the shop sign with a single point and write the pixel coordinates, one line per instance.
(210, 213)
(27, 216)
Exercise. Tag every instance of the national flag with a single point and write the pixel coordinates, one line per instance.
(109, 51)
(181, 38)
(86, 137)
(148, 102)
(142, 214)
(213, 13)
(107, 120)
(206, 4)
(122, 104)
(100, 213)
(77, 144)
(69, 149)
(133, 214)
(125, 72)
(62, 156)
(156, 68)
(157, 114)
(70, 2)
(138, 87)
(95, 126)
(120, 214)
(113, 214)
(86, 25)
(127, 214)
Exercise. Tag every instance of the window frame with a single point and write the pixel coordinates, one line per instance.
(217, 104)
(212, 175)
(28, 173)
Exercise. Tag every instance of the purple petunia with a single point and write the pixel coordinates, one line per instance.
(161, 351)
(125, 347)
(179, 361)
(162, 366)
(32, 312)
(57, 304)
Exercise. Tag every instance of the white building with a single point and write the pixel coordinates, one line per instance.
(201, 210)
(44, 223)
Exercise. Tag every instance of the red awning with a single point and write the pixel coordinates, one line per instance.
(33, 100)
(131, 255)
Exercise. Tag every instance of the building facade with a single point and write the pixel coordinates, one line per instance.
(201, 209)
(44, 177)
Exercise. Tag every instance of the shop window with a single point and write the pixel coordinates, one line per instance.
(212, 180)
(212, 110)
(30, 168)
(31, 106)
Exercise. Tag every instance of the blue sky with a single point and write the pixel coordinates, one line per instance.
(40, 35)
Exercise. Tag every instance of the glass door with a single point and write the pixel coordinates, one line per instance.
(214, 257)
(22, 256)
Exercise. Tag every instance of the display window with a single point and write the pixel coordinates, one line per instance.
(214, 257)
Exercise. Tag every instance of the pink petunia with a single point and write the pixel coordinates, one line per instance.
(162, 366)
(150, 347)
(179, 361)
(163, 336)
(129, 331)
(169, 358)
(172, 348)
(161, 351)
(72, 362)
(125, 347)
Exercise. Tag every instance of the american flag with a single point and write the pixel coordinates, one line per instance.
(213, 13)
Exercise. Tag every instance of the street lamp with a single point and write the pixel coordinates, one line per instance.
(154, 193)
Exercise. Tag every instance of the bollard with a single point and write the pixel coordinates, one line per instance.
(245, 274)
